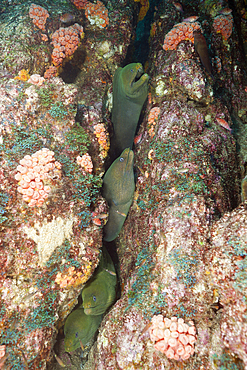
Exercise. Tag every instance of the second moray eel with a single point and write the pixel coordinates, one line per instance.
(118, 190)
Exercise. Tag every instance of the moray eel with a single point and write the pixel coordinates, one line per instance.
(79, 327)
(100, 292)
(118, 190)
(130, 89)
(202, 50)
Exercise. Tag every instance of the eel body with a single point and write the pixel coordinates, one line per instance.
(79, 327)
(130, 89)
(202, 50)
(100, 291)
(118, 190)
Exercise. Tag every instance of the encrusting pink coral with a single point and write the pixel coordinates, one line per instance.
(181, 31)
(85, 162)
(173, 337)
(32, 170)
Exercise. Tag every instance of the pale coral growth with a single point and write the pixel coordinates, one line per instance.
(50, 72)
(44, 37)
(70, 278)
(85, 162)
(32, 99)
(38, 16)
(36, 79)
(32, 171)
(65, 42)
(97, 14)
(22, 75)
(223, 24)
(2, 354)
(103, 139)
(181, 31)
(80, 4)
(173, 337)
(152, 119)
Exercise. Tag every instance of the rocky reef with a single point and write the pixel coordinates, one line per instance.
(182, 249)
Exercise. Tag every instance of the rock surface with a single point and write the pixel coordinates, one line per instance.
(182, 250)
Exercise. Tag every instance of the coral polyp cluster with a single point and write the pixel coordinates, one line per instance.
(50, 72)
(102, 136)
(80, 4)
(97, 14)
(32, 170)
(181, 31)
(152, 119)
(65, 42)
(223, 24)
(173, 337)
(38, 16)
(85, 162)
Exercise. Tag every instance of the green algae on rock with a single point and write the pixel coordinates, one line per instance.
(130, 89)
(118, 190)
(100, 292)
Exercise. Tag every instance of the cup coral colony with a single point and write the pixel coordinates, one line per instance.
(173, 337)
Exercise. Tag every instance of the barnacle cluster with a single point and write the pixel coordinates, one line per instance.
(181, 31)
(173, 337)
(65, 42)
(32, 170)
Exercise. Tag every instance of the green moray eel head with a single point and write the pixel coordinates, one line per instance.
(119, 179)
(95, 297)
(79, 329)
(134, 81)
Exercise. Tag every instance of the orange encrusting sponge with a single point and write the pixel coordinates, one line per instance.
(181, 31)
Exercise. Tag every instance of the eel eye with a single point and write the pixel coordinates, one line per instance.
(94, 298)
(121, 159)
(76, 334)
(132, 70)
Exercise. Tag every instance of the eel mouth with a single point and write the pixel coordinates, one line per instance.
(139, 80)
(138, 74)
